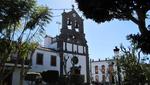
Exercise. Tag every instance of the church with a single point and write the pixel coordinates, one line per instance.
(66, 53)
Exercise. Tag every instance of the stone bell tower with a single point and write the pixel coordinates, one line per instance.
(72, 42)
(72, 28)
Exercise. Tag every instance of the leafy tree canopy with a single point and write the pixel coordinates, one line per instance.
(106, 10)
(11, 11)
(135, 10)
(134, 70)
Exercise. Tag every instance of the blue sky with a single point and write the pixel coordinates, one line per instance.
(101, 38)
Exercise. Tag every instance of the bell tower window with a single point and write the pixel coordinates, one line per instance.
(69, 23)
(76, 26)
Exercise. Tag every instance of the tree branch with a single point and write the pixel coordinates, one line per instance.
(139, 56)
(133, 19)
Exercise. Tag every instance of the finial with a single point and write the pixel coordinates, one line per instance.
(72, 6)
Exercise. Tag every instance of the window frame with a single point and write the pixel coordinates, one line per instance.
(53, 62)
(96, 69)
(39, 59)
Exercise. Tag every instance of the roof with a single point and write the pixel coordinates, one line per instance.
(103, 60)
(72, 12)
(46, 49)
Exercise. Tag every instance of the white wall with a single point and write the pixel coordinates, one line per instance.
(84, 49)
(46, 61)
(47, 41)
(53, 45)
(64, 43)
(80, 49)
(75, 47)
(69, 47)
(16, 77)
(99, 64)
(82, 63)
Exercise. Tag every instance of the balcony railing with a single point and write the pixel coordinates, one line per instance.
(12, 61)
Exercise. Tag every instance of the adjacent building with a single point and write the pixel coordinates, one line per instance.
(103, 71)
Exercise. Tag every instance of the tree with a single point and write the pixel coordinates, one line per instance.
(134, 71)
(21, 25)
(133, 10)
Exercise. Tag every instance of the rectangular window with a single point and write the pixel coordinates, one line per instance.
(39, 59)
(53, 60)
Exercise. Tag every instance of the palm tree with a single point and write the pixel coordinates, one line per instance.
(21, 22)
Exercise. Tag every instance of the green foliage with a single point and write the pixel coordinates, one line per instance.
(39, 17)
(5, 49)
(106, 10)
(11, 11)
(134, 10)
(142, 41)
(134, 71)
(24, 15)
(20, 22)
(26, 48)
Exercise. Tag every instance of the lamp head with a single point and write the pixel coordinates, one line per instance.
(116, 51)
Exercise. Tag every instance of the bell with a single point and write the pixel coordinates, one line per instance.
(76, 26)
(69, 22)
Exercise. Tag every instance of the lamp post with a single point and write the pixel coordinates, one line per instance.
(116, 54)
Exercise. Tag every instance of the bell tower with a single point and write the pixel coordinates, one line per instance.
(72, 42)
(72, 28)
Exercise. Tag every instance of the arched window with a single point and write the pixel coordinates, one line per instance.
(76, 26)
(69, 23)
(110, 71)
(103, 78)
(103, 69)
(97, 78)
(96, 69)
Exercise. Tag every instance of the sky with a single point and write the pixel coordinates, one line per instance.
(101, 38)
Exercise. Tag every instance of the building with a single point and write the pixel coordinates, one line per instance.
(67, 50)
(103, 71)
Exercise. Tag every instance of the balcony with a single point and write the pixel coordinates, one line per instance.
(12, 62)
(26, 62)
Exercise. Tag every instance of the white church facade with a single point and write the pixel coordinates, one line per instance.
(63, 52)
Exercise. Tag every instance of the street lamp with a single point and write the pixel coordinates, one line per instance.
(116, 51)
(116, 54)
